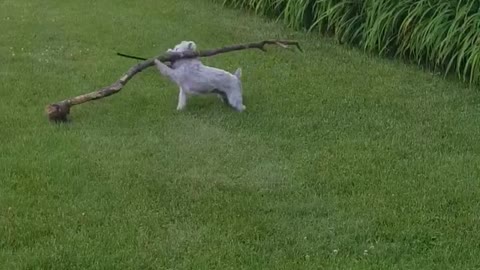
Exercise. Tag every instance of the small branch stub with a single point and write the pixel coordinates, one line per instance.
(58, 112)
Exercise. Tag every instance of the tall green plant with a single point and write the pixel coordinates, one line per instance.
(442, 34)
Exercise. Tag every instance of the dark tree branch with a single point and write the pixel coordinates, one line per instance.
(58, 111)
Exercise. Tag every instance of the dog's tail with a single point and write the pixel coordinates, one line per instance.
(131, 56)
(238, 73)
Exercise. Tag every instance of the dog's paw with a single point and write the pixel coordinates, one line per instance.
(241, 108)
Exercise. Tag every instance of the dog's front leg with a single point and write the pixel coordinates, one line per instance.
(165, 70)
(182, 100)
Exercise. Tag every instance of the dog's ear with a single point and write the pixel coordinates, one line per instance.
(192, 46)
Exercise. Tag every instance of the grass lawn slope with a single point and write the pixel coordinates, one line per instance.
(341, 161)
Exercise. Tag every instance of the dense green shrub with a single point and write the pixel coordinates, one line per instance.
(441, 34)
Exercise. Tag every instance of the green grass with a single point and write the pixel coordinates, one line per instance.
(337, 152)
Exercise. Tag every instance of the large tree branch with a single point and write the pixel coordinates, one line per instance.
(58, 111)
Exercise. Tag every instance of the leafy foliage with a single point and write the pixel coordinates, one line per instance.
(443, 35)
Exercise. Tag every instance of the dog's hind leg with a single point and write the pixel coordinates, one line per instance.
(236, 101)
(221, 95)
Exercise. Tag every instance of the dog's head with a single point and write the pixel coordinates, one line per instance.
(184, 46)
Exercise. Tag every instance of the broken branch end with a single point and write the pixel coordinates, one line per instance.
(58, 112)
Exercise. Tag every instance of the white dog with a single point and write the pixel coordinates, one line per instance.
(194, 78)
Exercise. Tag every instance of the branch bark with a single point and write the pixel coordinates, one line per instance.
(59, 111)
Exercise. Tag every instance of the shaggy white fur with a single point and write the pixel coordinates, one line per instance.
(194, 78)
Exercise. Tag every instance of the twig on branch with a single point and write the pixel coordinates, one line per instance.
(58, 111)
(130, 56)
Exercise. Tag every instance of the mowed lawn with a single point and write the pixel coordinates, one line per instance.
(341, 161)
